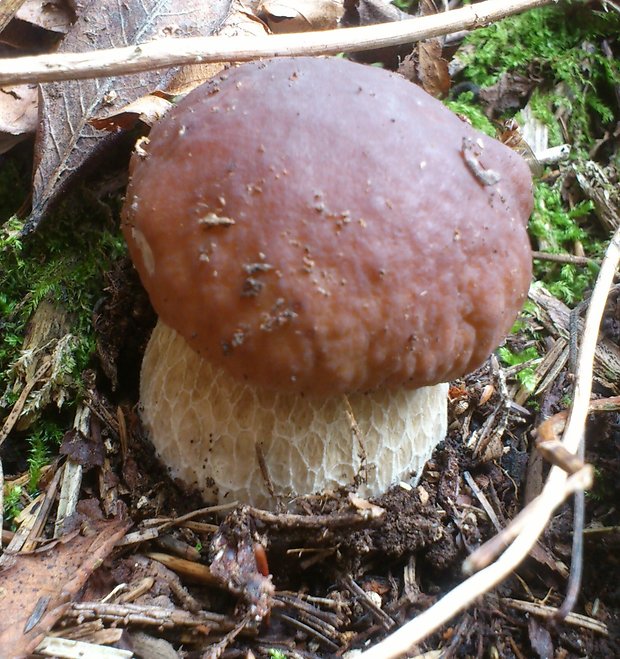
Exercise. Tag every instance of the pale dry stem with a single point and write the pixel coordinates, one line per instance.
(202, 50)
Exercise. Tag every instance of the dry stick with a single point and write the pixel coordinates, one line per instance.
(557, 488)
(563, 258)
(576, 566)
(16, 411)
(200, 50)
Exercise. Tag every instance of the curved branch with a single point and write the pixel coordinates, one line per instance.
(199, 50)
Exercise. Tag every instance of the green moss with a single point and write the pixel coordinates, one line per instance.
(12, 503)
(43, 443)
(557, 44)
(555, 229)
(466, 106)
(549, 38)
(65, 262)
(526, 376)
(276, 654)
(554, 226)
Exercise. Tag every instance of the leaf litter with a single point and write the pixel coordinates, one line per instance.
(330, 578)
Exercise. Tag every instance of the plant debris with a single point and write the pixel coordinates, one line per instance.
(102, 552)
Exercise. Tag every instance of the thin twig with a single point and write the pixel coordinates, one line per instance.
(488, 509)
(218, 649)
(334, 520)
(16, 411)
(178, 521)
(385, 620)
(558, 486)
(201, 50)
(314, 633)
(123, 615)
(542, 611)
(576, 566)
(563, 258)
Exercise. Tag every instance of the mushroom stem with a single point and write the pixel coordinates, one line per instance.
(214, 432)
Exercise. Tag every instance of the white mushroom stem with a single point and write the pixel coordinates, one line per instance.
(211, 431)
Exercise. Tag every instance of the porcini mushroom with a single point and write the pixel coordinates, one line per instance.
(325, 245)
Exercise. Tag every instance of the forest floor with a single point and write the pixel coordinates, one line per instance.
(101, 546)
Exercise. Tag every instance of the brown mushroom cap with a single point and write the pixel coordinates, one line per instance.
(322, 226)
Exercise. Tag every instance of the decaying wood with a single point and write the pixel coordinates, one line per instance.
(555, 316)
(72, 476)
(8, 9)
(63, 648)
(123, 615)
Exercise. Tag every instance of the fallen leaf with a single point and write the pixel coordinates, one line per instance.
(151, 107)
(36, 587)
(65, 140)
(18, 114)
(86, 451)
(370, 12)
(147, 109)
(507, 93)
(425, 65)
(52, 15)
(433, 68)
(284, 16)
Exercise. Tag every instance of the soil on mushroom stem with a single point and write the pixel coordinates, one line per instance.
(409, 560)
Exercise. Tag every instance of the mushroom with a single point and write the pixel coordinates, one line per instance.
(326, 246)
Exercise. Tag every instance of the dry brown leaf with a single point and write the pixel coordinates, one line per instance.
(508, 93)
(18, 114)
(152, 107)
(284, 16)
(433, 69)
(540, 639)
(65, 140)
(239, 23)
(36, 587)
(425, 66)
(371, 12)
(147, 109)
(52, 15)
